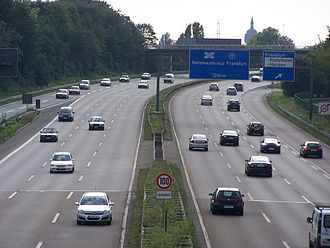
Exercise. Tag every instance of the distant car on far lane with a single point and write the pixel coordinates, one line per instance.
(311, 149)
(168, 78)
(239, 86)
(62, 94)
(105, 82)
(143, 84)
(146, 76)
(214, 87)
(231, 91)
(124, 78)
(85, 84)
(270, 145)
(48, 134)
(206, 100)
(74, 90)
(256, 79)
(198, 141)
(96, 122)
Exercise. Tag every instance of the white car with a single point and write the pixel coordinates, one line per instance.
(84, 84)
(96, 122)
(124, 78)
(319, 233)
(105, 82)
(143, 84)
(199, 141)
(94, 207)
(255, 78)
(62, 93)
(206, 100)
(146, 76)
(48, 134)
(169, 78)
(62, 162)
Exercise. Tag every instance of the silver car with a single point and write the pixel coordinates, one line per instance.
(231, 91)
(214, 87)
(62, 162)
(198, 141)
(96, 122)
(206, 100)
(94, 207)
(105, 82)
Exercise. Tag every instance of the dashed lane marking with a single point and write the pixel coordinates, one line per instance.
(12, 195)
(44, 164)
(30, 178)
(287, 181)
(55, 218)
(69, 195)
(266, 217)
(80, 178)
(238, 179)
(88, 164)
(285, 244)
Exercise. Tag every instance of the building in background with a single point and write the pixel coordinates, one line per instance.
(250, 33)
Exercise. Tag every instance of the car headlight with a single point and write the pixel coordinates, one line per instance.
(106, 212)
(81, 211)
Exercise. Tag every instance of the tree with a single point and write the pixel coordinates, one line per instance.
(150, 39)
(194, 30)
(270, 36)
(165, 40)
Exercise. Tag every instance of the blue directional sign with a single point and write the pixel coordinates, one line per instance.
(219, 64)
(278, 66)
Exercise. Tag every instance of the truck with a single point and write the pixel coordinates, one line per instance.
(319, 235)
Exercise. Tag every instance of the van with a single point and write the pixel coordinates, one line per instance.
(65, 114)
(319, 235)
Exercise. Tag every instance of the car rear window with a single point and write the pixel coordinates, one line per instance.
(326, 221)
(229, 194)
(260, 159)
(313, 145)
(61, 158)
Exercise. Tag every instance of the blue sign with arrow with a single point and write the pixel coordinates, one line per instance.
(219, 64)
(278, 66)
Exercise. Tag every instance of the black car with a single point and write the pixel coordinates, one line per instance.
(257, 165)
(49, 134)
(270, 145)
(229, 137)
(233, 104)
(227, 199)
(255, 127)
(311, 149)
(239, 86)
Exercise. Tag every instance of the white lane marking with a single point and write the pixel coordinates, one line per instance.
(87, 114)
(55, 218)
(285, 244)
(22, 107)
(238, 179)
(104, 135)
(70, 135)
(115, 115)
(44, 101)
(82, 120)
(77, 127)
(39, 244)
(229, 166)
(314, 167)
(203, 122)
(294, 152)
(232, 123)
(94, 154)
(252, 146)
(266, 217)
(30, 178)
(244, 137)
(326, 176)
(88, 164)
(94, 91)
(210, 136)
(44, 164)
(286, 146)
(221, 154)
(250, 196)
(305, 198)
(63, 143)
(117, 109)
(206, 128)
(80, 178)
(69, 195)
(9, 111)
(304, 160)
(274, 169)
(100, 143)
(108, 128)
(12, 195)
(227, 117)
(286, 180)
(112, 121)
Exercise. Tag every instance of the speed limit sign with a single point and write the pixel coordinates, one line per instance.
(164, 181)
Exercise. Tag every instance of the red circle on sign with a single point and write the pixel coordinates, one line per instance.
(164, 181)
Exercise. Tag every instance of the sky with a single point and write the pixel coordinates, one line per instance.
(303, 21)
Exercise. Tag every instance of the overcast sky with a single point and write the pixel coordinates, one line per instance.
(300, 20)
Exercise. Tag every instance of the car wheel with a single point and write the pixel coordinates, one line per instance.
(247, 173)
(270, 174)
(41, 140)
(320, 156)
(237, 144)
(248, 133)
(56, 139)
(89, 128)
(213, 211)
(109, 222)
(79, 222)
(51, 171)
(206, 149)
(241, 212)
(279, 151)
(190, 148)
(262, 134)
(59, 119)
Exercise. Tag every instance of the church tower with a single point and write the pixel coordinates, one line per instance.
(250, 33)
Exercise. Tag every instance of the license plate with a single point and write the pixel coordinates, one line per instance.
(228, 206)
(271, 148)
(313, 150)
(230, 137)
(260, 165)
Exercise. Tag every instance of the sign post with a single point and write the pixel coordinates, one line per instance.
(278, 66)
(164, 181)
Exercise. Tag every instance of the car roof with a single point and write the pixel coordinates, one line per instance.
(97, 116)
(199, 135)
(309, 142)
(75, 86)
(231, 87)
(257, 122)
(229, 132)
(238, 82)
(233, 100)
(143, 81)
(68, 107)
(63, 153)
(206, 96)
(270, 140)
(214, 84)
(227, 189)
(94, 194)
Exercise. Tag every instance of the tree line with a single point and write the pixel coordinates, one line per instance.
(66, 39)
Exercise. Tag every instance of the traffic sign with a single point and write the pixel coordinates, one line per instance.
(164, 181)
(162, 194)
(278, 66)
(219, 64)
(324, 108)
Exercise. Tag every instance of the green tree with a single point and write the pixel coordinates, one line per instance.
(270, 36)
(165, 40)
(150, 39)
(194, 30)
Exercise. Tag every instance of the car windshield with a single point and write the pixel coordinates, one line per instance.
(93, 200)
(326, 222)
(233, 101)
(75, 87)
(124, 76)
(255, 124)
(61, 157)
(229, 194)
(65, 110)
(48, 130)
(62, 91)
(259, 159)
(96, 119)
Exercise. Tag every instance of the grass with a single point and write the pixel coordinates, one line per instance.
(277, 98)
(13, 125)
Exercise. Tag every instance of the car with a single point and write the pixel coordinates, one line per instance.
(168, 78)
(225, 199)
(206, 100)
(74, 90)
(229, 137)
(239, 86)
(84, 84)
(62, 94)
(48, 134)
(231, 91)
(124, 78)
(214, 87)
(270, 145)
(105, 82)
(143, 84)
(61, 162)
(255, 78)
(65, 114)
(94, 207)
(258, 165)
(233, 104)
(311, 149)
(319, 234)
(198, 141)
(146, 76)
(255, 127)
(96, 122)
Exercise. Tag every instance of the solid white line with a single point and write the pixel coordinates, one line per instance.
(266, 217)
(326, 176)
(80, 178)
(305, 198)
(39, 244)
(30, 178)
(69, 195)
(44, 164)
(237, 178)
(304, 160)
(22, 107)
(88, 164)
(285, 244)
(293, 152)
(314, 167)
(250, 196)
(55, 218)
(44, 101)
(12, 195)
(287, 181)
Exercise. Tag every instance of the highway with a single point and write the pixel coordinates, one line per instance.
(37, 208)
(275, 208)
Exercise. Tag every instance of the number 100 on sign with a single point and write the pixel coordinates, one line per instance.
(164, 181)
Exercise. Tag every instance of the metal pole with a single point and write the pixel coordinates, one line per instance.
(157, 88)
(311, 91)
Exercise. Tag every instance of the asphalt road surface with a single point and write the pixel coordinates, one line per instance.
(275, 208)
(37, 208)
